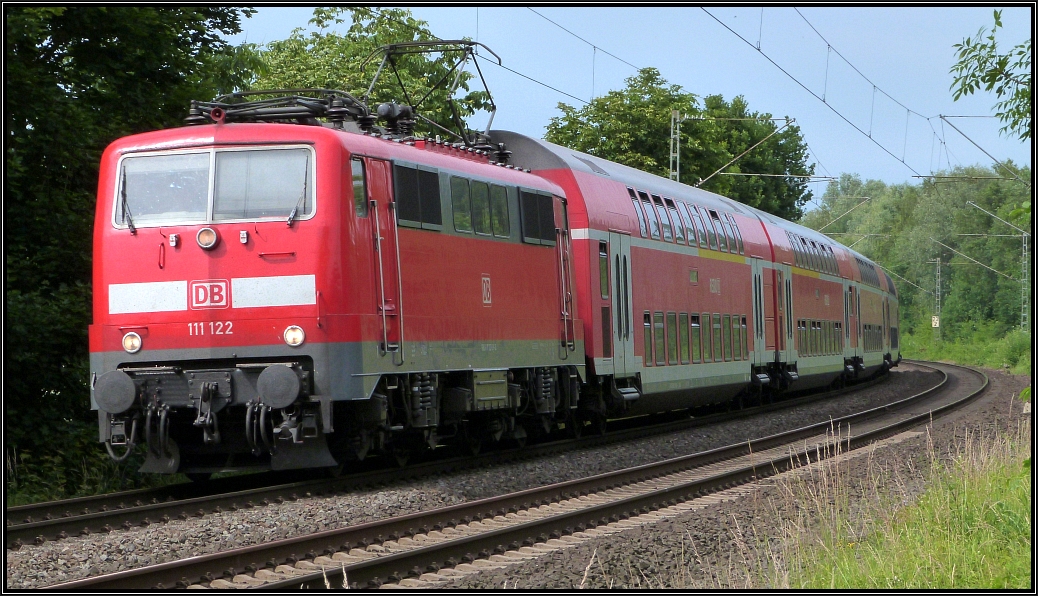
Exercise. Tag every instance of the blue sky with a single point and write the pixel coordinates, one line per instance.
(905, 52)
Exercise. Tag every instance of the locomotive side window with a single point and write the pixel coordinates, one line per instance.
(499, 211)
(429, 191)
(689, 226)
(461, 204)
(408, 204)
(538, 218)
(360, 187)
(647, 324)
(164, 189)
(668, 235)
(672, 338)
(683, 335)
(417, 197)
(679, 229)
(479, 193)
(638, 211)
(650, 214)
(696, 339)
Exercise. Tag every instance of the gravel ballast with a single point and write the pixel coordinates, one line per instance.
(82, 556)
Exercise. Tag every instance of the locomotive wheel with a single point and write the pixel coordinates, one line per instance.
(199, 476)
(598, 424)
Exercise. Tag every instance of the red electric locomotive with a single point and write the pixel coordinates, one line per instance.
(273, 292)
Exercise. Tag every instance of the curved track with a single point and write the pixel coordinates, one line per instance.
(517, 524)
(57, 520)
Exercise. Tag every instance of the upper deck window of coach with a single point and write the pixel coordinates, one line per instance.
(738, 235)
(650, 214)
(710, 232)
(679, 228)
(668, 234)
(733, 246)
(638, 211)
(690, 228)
(700, 228)
(721, 235)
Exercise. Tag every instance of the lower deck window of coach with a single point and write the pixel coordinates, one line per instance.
(660, 344)
(672, 338)
(745, 340)
(718, 344)
(736, 338)
(683, 336)
(696, 339)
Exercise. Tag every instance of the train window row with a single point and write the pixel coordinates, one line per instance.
(868, 272)
(816, 256)
(873, 338)
(477, 207)
(680, 338)
(819, 338)
(662, 218)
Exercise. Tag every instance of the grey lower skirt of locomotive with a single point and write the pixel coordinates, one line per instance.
(212, 417)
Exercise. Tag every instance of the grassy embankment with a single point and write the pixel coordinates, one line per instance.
(970, 529)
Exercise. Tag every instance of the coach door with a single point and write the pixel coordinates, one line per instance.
(623, 347)
(387, 259)
(760, 355)
(786, 320)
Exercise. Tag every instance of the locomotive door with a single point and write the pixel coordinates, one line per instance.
(387, 258)
(564, 257)
(620, 264)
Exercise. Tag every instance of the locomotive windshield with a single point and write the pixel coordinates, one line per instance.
(251, 184)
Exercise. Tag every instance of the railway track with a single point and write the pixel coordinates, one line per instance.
(432, 545)
(57, 520)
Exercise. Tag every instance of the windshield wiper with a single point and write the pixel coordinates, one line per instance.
(302, 195)
(126, 206)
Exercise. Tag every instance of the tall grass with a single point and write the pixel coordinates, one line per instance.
(970, 529)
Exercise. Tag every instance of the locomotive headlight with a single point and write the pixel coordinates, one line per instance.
(294, 335)
(207, 238)
(132, 342)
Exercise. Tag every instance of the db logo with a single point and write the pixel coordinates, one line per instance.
(209, 293)
(486, 290)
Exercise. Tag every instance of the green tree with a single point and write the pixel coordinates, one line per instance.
(981, 66)
(327, 59)
(632, 126)
(76, 79)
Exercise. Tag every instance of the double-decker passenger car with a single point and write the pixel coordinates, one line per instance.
(293, 294)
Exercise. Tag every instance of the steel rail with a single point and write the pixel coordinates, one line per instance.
(372, 572)
(57, 520)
